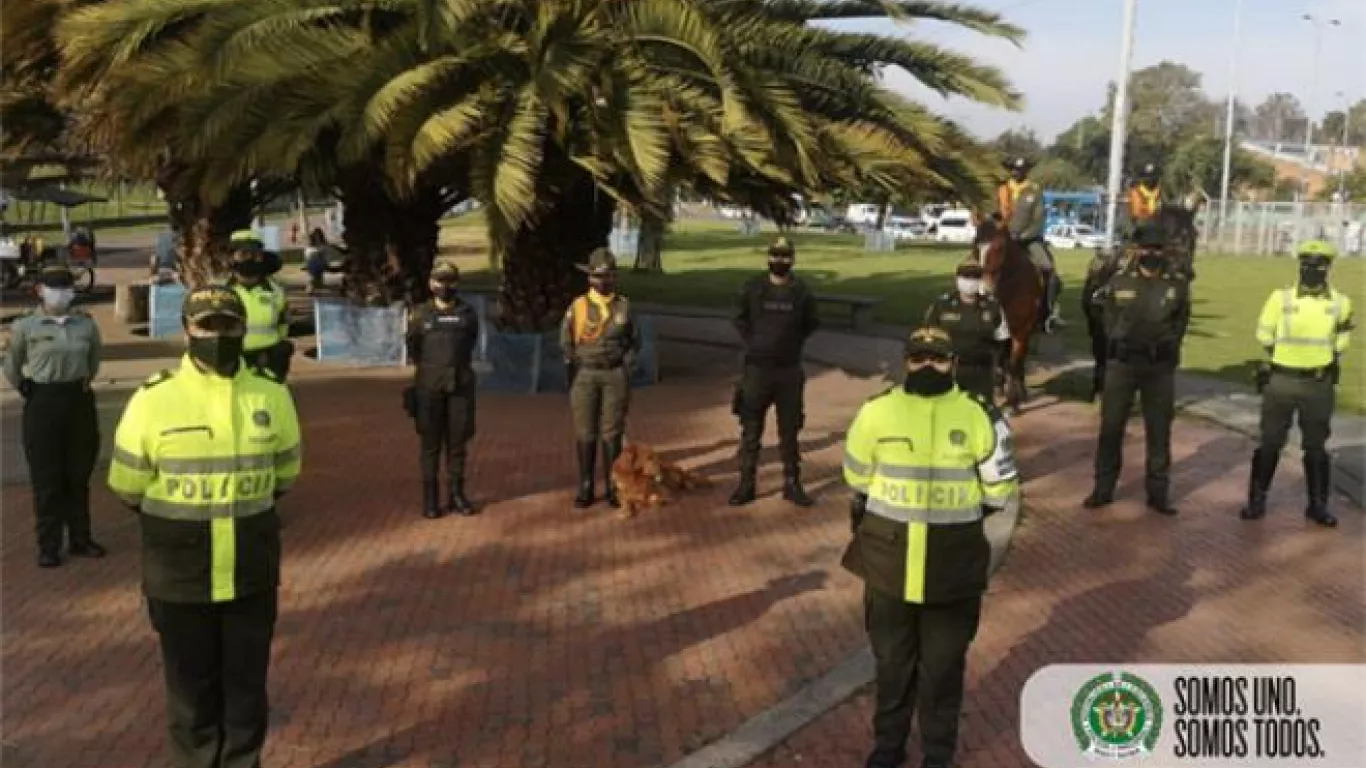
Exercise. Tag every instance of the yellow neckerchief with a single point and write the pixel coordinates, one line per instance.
(1016, 187)
(584, 330)
(1150, 196)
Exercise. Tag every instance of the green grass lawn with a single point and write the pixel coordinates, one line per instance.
(705, 264)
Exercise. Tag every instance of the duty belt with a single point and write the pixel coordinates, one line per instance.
(1318, 374)
(596, 365)
(60, 386)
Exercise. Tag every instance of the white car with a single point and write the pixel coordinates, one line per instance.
(954, 227)
(1074, 236)
(904, 228)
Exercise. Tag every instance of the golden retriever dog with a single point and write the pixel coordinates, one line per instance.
(644, 479)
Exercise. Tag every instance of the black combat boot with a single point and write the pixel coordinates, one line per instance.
(1099, 498)
(792, 488)
(1258, 483)
(588, 455)
(1157, 502)
(744, 492)
(458, 503)
(1318, 481)
(611, 449)
(431, 494)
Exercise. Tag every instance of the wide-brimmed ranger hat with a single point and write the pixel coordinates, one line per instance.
(600, 262)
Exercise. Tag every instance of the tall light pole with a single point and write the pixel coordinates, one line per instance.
(1118, 126)
(1228, 118)
(1346, 155)
(1318, 25)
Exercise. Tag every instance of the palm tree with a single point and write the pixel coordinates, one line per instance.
(554, 112)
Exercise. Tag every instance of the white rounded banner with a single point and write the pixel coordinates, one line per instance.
(1200, 716)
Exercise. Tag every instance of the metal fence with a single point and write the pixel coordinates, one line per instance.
(1275, 228)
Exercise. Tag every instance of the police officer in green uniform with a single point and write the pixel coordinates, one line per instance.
(53, 358)
(1103, 266)
(601, 340)
(441, 338)
(1305, 330)
(927, 463)
(977, 326)
(1146, 313)
(775, 315)
(267, 342)
(202, 454)
(1019, 203)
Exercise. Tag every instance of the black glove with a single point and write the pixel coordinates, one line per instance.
(26, 388)
(737, 402)
(410, 402)
(857, 508)
(1335, 369)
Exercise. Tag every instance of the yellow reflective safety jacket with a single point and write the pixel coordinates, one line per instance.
(1305, 330)
(932, 467)
(204, 458)
(267, 314)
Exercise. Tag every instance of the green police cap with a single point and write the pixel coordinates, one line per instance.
(600, 262)
(1149, 235)
(969, 267)
(55, 275)
(781, 247)
(1317, 249)
(246, 240)
(443, 271)
(213, 301)
(929, 341)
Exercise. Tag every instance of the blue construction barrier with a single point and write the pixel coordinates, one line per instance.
(164, 303)
(533, 362)
(357, 335)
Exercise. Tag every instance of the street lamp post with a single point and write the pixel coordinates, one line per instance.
(1346, 154)
(1228, 120)
(1318, 25)
(1118, 126)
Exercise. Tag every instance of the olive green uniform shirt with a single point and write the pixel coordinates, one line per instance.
(51, 349)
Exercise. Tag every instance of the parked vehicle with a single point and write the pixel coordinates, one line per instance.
(1074, 236)
(955, 227)
(862, 214)
(903, 228)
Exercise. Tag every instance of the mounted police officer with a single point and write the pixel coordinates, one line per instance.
(1305, 330)
(1146, 313)
(1019, 202)
(927, 463)
(1145, 196)
(267, 343)
(775, 314)
(53, 358)
(442, 334)
(978, 327)
(203, 453)
(601, 341)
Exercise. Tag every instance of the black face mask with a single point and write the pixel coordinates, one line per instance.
(928, 382)
(220, 354)
(445, 292)
(1313, 276)
(252, 268)
(780, 268)
(1150, 263)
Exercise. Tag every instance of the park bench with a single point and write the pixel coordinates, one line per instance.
(860, 307)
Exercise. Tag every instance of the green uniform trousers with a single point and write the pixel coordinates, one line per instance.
(61, 442)
(1155, 382)
(216, 656)
(921, 654)
(781, 388)
(599, 399)
(977, 379)
(1288, 395)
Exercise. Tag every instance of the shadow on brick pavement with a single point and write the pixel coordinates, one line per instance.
(535, 635)
(469, 642)
(1124, 585)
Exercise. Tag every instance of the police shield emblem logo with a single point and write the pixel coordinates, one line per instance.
(958, 437)
(261, 419)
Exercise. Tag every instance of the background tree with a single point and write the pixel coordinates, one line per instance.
(1280, 117)
(1018, 142)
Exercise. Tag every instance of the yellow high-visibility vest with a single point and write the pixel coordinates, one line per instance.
(929, 462)
(203, 453)
(1305, 330)
(267, 318)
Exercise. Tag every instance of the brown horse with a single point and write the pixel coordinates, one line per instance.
(1010, 274)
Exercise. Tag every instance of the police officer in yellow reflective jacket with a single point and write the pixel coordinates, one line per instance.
(203, 453)
(1305, 330)
(267, 343)
(927, 463)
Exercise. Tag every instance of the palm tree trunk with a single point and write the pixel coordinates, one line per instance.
(205, 230)
(648, 253)
(367, 220)
(539, 274)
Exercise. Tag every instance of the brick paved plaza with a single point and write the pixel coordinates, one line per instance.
(535, 635)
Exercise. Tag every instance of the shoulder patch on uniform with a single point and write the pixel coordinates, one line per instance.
(160, 377)
(266, 373)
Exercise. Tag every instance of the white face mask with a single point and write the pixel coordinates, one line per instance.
(970, 286)
(57, 299)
